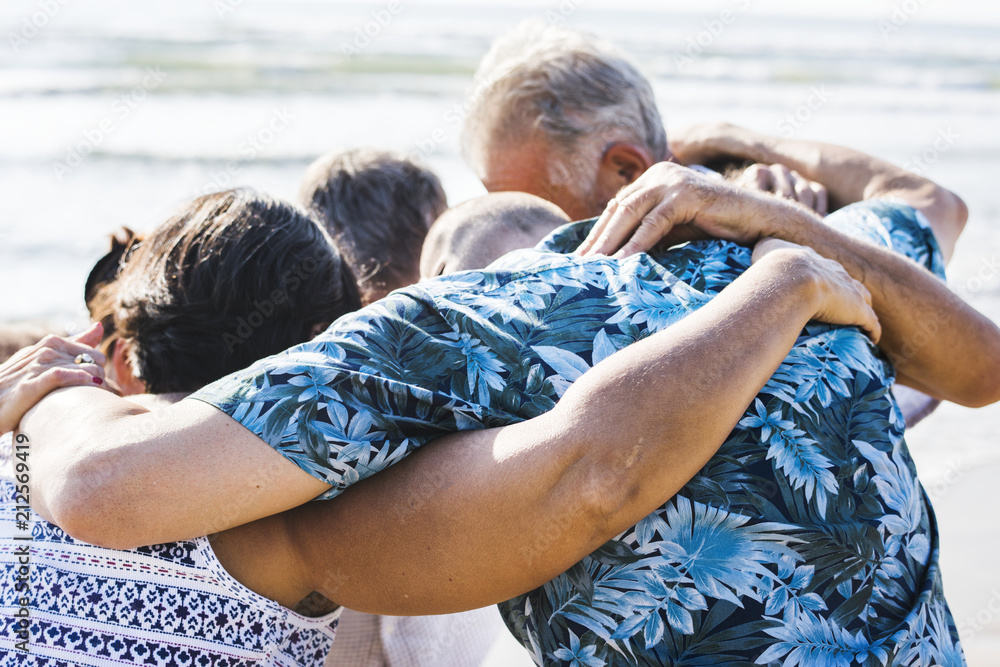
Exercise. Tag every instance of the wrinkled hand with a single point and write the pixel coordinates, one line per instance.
(842, 299)
(35, 371)
(781, 181)
(673, 203)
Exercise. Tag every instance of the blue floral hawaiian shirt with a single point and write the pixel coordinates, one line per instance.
(806, 540)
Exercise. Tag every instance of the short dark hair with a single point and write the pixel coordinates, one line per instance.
(377, 206)
(234, 277)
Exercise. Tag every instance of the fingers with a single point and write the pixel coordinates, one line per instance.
(774, 178)
(810, 193)
(648, 209)
(759, 176)
(90, 337)
(628, 214)
(871, 326)
(821, 205)
(783, 182)
(51, 351)
(651, 230)
(64, 376)
(869, 322)
(804, 193)
(598, 228)
(51, 358)
(784, 185)
(71, 348)
(45, 370)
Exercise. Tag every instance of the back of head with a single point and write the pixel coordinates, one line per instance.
(232, 278)
(575, 90)
(475, 233)
(377, 206)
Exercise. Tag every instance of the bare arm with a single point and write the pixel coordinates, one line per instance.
(849, 175)
(938, 343)
(116, 474)
(476, 518)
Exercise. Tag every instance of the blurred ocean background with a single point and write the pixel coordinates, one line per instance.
(114, 111)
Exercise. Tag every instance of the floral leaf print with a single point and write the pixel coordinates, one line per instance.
(816, 641)
(603, 347)
(805, 540)
(481, 366)
(901, 493)
(568, 366)
(795, 455)
(578, 655)
(722, 553)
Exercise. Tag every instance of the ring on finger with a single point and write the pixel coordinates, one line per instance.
(83, 359)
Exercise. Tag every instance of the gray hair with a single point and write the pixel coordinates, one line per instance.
(377, 206)
(573, 87)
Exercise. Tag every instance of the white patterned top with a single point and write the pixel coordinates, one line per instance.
(169, 604)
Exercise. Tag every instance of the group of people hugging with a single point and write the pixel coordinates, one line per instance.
(647, 397)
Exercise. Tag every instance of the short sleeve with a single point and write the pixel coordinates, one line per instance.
(359, 397)
(893, 225)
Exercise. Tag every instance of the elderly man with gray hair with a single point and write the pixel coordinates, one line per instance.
(563, 115)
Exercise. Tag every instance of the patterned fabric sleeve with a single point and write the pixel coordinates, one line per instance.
(894, 225)
(360, 396)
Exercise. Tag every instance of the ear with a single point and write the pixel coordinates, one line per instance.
(121, 369)
(623, 163)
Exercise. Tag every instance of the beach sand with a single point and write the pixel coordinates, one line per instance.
(963, 486)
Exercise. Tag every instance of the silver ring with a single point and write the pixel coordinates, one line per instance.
(83, 359)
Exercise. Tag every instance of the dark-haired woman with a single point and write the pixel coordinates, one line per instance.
(233, 277)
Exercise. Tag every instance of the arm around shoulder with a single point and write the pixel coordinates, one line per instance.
(114, 474)
(479, 517)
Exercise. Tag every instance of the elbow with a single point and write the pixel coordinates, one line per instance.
(612, 493)
(982, 387)
(987, 390)
(987, 386)
(87, 509)
(961, 211)
(948, 215)
(952, 209)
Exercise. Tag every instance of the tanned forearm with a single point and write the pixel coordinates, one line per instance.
(849, 175)
(938, 343)
(115, 474)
